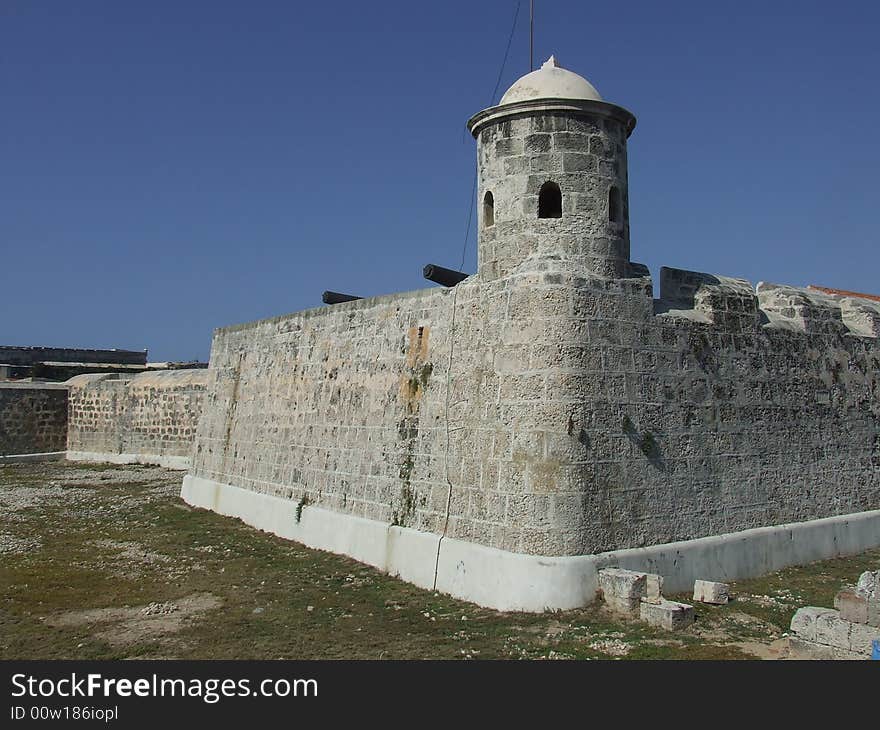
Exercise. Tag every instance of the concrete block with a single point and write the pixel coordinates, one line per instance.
(653, 588)
(852, 606)
(623, 606)
(873, 612)
(707, 591)
(622, 583)
(832, 630)
(861, 638)
(869, 584)
(861, 603)
(802, 649)
(622, 590)
(803, 623)
(668, 615)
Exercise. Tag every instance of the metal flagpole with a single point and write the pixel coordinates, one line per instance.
(531, 35)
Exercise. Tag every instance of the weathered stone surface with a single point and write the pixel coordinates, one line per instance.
(852, 606)
(153, 414)
(861, 638)
(579, 422)
(622, 590)
(707, 591)
(804, 621)
(585, 156)
(622, 583)
(33, 418)
(803, 649)
(579, 416)
(832, 630)
(653, 588)
(869, 584)
(867, 598)
(826, 627)
(669, 615)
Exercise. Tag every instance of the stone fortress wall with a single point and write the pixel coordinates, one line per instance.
(147, 418)
(340, 406)
(33, 418)
(580, 421)
(503, 439)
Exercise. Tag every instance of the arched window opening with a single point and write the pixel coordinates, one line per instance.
(550, 201)
(615, 215)
(488, 210)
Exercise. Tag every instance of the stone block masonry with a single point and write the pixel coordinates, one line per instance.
(860, 604)
(33, 418)
(634, 594)
(567, 421)
(669, 615)
(822, 633)
(583, 417)
(579, 421)
(147, 418)
(623, 590)
(854, 607)
(343, 408)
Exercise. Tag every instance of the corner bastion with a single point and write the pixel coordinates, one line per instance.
(505, 439)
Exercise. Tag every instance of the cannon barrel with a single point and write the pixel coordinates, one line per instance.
(334, 297)
(446, 277)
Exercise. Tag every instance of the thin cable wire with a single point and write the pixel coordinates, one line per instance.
(506, 54)
(467, 235)
(467, 230)
(470, 220)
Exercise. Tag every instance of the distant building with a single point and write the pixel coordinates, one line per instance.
(61, 363)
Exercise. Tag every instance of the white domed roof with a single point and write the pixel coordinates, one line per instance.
(551, 81)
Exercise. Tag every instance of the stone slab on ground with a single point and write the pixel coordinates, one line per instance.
(802, 649)
(862, 637)
(707, 591)
(826, 627)
(669, 615)
(803, 623)
(832, 630)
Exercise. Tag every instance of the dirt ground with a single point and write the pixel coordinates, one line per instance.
(106, 562)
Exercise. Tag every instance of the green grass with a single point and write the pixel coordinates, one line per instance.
(278, 599)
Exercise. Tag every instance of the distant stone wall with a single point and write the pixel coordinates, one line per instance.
(11, 355)
(147, 418)
(33, 418)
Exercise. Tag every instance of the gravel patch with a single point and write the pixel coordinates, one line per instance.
(11, 545)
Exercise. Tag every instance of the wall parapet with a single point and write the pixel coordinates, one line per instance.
(737, 306)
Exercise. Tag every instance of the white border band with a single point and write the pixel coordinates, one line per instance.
(517, 582)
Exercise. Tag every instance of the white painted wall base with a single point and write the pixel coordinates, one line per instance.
(181, 463)
(517, 582)
(22, 458)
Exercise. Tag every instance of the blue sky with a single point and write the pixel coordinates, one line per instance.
(171, 167)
